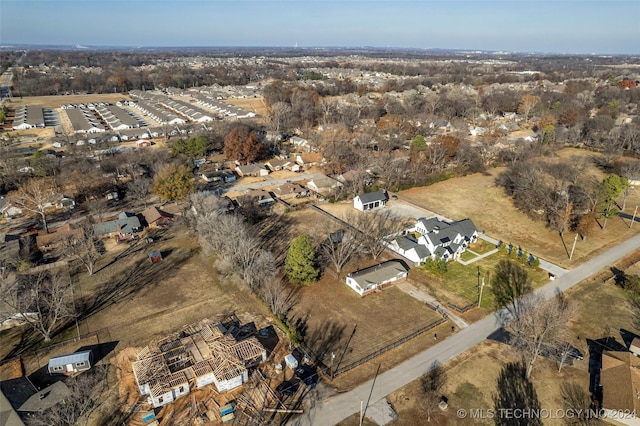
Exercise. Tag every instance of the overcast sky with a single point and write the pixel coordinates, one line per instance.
(562, 26)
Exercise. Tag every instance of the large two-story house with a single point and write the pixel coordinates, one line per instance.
(433, 238)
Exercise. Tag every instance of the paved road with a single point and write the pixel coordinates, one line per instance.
(334, 409)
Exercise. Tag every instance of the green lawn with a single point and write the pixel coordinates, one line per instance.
(481, 247)
(459, 285)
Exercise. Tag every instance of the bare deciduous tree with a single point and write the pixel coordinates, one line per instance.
(376, 228)
(243, 254)
(540, 326)
(277, 115)
(279, 295)
(139, 189)
(564, 351)
(43, 299)
(432, 383)
(339, 247)
(85, 398)
(36, 196)
(87, 248)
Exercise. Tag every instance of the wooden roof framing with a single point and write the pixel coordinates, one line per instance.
(145, 370)
(195, 351)
(248, 350)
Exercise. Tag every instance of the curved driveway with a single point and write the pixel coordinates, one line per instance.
(336, 408)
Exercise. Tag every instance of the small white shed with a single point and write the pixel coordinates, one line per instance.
(72, 363)
(291, 361)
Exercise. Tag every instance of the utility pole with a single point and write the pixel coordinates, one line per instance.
(633, 219)
(575, 240)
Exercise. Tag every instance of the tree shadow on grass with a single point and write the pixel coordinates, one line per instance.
(140, 274)
(28, 338)
(274, 233)
(514, 391)
(324, 343)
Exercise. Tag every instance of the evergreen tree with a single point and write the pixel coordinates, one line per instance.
(300, 262)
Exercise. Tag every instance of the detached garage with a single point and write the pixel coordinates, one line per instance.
(71, 364)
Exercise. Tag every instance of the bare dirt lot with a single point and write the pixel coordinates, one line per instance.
(478, 198)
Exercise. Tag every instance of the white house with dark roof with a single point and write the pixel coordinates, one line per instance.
(370, 201)
(436, 239)
(374, 278)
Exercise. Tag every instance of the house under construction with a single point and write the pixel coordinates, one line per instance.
(194, 357)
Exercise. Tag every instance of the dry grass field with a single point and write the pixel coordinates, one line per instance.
(353, 327)
(477, 197)
(256, 105)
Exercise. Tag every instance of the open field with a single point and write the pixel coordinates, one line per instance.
(476, 197)
(256, 105)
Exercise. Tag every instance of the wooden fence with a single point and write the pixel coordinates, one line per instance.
(380, 351)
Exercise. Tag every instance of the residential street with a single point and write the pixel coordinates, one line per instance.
(334, 409)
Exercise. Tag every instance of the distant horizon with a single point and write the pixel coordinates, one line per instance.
(80, 47)
(568, 27)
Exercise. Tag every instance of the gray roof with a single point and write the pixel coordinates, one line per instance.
(406, 242)
(441, 251)
(83, 120)
(69, 359)
(248, 169)
(46, 398)
(431, 223)
(373, 196)
(378, 273)
(423, 251)
(448, 230)
(466, 227)
(128, 223)
(8, 416)
(32, 115)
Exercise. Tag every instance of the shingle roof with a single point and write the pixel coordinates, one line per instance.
(620, 380)
(46, 398)
(128, 223)
(378, 273)
(373, 196)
